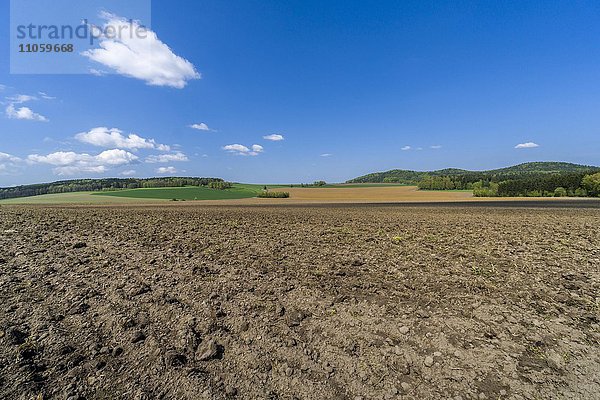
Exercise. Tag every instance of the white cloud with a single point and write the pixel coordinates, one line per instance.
(165, 158)
(242, 150)
(45, 96)
(24, 113)
(8, 163)
(128, 172)
(274, 137)
(405, 148)
(79, 169)
(105, 137)
(236, 147)
(7, 157)
(142, 56)
(2, 87)
(201, 127)
(21, 98)
(116, 157)
(326, 155)
(436, 147)
(70, 163)
(60, 158)
(527, 145)
(166, 170)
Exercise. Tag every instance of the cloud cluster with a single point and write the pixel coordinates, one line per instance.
(242, 150)
(274, 137)
(137, 52)
(71, 163)
(23, 112)
(110, 138)
(527, 145)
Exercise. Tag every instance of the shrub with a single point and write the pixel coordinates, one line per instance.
(560, 192)
(479, 190)
(274, 195)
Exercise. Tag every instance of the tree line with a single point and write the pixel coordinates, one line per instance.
(531, 185)
(95, 185)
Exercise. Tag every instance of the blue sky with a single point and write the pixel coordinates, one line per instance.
(351, 87)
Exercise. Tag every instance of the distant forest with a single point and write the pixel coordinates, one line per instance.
(87, 185)
(531, 179)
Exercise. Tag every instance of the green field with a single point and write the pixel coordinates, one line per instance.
(150, 195)
(239, 191)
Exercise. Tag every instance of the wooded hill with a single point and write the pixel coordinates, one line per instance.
(530, 179)
(529, 170)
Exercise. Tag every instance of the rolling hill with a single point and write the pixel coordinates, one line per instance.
(531, 169)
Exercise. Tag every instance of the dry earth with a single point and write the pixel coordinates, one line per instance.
(299, 303)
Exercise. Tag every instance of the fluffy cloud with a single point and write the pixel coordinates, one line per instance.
(104, 137)
(242, 150)
(405, 148)
(326, 155)
(115, 157)
(8, 163)
(142, 56)
(4, 157)
(24, 113)
(527, 145)
(70, 163)
(128, 172)
(166, 158)
(201, 127)
(166, 170)
(274, 137)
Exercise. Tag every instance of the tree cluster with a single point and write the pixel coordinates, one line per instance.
(555, 185)
(220, 185)
(88, 185)
(273, 195)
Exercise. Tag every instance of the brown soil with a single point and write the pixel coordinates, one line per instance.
(299, 303)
